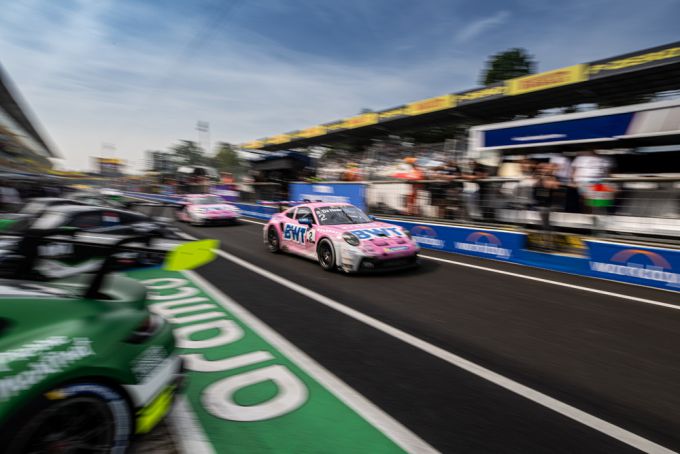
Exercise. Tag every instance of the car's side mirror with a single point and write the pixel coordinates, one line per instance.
(371, 217)
(306, 221)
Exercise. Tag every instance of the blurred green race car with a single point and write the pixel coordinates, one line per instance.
(84, 366)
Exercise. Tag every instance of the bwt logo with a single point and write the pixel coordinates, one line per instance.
(647, 265)
(427, 236)
(484, 243)
(295, 233)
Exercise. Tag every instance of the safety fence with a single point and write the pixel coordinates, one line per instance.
(629, 206)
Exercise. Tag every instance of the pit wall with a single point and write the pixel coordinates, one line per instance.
(629, 263)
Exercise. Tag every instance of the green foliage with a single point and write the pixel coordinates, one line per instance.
(507, 65)
(226, 159)
(188, 153)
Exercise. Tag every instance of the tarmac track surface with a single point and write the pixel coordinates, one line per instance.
(611, 357)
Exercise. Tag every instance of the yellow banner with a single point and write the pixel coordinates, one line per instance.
(635, 60)
(255, 144)
(358, 121)
(110, 161)
(330, 127)
(281, 138)
(481, 94)
(431, 105)
(312, 132)
(549, 79)
(387, 114)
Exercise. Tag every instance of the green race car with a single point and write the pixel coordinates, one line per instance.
(84, 366)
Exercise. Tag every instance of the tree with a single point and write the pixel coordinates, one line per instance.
(507, 65)
(226, 159)
(188, 153)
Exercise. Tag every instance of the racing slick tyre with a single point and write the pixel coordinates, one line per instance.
(80, 417)
(273, 241)
(326, 255)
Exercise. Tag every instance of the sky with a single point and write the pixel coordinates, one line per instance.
(118, 77)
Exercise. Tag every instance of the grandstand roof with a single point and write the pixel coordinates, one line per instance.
(12, 104)
(612, 81)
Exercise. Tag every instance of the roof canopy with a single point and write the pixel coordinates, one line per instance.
(613, 81)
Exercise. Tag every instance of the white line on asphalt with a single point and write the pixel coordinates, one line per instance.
(561, 284)
(252, 222)
(192, 440)
(560, 407)
(545, 281)
(394, 430)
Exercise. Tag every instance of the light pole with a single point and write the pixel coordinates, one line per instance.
(203, 128)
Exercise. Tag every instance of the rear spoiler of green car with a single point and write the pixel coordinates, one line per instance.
(178, 255)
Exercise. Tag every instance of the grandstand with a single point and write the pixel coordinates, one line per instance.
(619, 80)
(23, 147)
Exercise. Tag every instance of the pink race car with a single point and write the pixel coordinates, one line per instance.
(205, 209)
(339, 235)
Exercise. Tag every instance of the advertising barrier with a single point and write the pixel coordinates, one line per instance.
(634, 264)
(497, 244)
(657, 267)
(353, 193)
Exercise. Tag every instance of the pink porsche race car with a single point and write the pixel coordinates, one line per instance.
(206, 209)
(339, 235)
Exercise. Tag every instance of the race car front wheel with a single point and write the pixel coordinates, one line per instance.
(81, 417)
(273, 243)
(326, 255)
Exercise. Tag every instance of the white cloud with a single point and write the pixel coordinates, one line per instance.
(476, 28)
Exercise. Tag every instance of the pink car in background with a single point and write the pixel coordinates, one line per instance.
(206, 209)
(339, 235)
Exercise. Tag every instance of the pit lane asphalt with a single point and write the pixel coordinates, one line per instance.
(613, 358)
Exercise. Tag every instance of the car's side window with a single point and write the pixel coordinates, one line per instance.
(290, 213)
(86, 220)
(304, 213)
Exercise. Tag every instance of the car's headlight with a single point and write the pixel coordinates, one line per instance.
(199, 210)
(350, 239)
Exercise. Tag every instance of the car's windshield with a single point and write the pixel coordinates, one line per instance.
(345, 214)
(206, 200)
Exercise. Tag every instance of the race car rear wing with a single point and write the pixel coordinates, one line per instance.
(156, 207)
(178, 255)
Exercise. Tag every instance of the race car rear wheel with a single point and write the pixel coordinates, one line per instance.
(81, 417)
(273, 242)
(326, 255)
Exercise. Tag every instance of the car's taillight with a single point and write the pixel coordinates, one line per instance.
(149, 326)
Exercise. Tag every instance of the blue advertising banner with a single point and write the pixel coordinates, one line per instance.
(227, 191)
(331, 192)
(604, 127)
(636, 264)
(256, 211)
(495, 244)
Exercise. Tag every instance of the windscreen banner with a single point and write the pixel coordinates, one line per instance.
(657, 267)
(353, 193)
